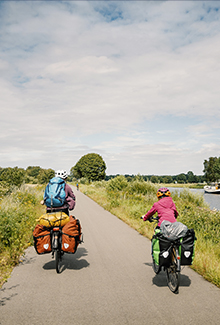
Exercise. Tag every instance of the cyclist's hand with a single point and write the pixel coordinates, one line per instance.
(142, 217)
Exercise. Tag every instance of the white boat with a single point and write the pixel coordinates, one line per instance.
(212, 189)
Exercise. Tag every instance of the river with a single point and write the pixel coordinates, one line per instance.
(212, 199)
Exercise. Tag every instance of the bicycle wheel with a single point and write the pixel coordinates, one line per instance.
(58, 260)
(173, 273)
(156, 268)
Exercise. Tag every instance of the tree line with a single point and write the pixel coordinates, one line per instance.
(92, 168)
(167, 179)
(32, 175)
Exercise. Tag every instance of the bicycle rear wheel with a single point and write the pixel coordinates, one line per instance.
(58, 260)
(173, 273)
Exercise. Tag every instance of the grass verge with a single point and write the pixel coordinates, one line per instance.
(18, 213)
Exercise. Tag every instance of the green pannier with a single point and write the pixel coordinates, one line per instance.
(161, 249)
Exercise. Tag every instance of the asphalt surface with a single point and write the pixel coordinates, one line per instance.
(109, 280)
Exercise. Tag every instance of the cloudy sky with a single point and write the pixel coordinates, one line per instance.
(134, 81)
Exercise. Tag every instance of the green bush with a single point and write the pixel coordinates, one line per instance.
(141, 187)
(18, 214)
(118, 183)
(5, 188)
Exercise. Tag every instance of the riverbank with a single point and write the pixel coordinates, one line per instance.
(188, 185)
(128, 201)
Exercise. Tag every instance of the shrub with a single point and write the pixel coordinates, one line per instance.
(141, 187)
(18, 213)
(118, 183)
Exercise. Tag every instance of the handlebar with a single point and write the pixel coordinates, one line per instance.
(152, 219)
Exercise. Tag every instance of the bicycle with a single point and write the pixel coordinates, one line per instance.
(58, 233)
(173, 265)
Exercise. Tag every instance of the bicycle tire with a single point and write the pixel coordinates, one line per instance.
(173, 275)
(58, 260)
(156, 268)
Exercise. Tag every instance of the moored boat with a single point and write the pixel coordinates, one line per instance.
(212, 189)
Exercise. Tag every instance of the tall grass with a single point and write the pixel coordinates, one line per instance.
(130, 200)
(18, 212)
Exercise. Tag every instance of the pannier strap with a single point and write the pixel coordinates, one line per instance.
(41, 236)
(71, 235)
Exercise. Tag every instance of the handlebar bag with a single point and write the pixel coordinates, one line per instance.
(71, 236)
(161, 249)
(187, 248)
(42, 240)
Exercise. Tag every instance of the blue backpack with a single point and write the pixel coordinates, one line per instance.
(54, 195)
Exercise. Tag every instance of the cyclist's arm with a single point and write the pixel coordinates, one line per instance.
(175, 212)
(70, 197)
(150, 213)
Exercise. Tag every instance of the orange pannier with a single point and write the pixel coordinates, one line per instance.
(71, 235)
(42, 240)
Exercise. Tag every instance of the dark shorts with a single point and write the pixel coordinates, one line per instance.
(65, 210)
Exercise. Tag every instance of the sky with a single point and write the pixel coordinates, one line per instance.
(136, 82)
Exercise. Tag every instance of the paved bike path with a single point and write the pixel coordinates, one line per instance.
(108, 281)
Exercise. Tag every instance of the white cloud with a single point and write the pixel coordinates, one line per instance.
(74, 73)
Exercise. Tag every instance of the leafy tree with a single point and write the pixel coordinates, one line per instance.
(13, 176)
(90, 166)
(216, 168)
(168, 179)
(33, 171)
(191, 178)
(212, 169)
(45, 175)
(181, 178)
(154, 179)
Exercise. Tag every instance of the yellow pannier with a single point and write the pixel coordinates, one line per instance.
(54, 219)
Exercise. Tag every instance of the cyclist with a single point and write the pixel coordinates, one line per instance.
(165, 207)
(70, 199)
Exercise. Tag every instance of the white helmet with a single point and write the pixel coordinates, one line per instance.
(61, 173)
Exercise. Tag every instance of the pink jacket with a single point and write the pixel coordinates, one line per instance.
(165, 209)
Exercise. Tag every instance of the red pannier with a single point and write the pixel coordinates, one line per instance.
(42, 240)
(71, 235)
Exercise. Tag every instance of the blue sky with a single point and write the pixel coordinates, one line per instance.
(134, 81)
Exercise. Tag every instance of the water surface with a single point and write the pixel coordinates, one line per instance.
(212, 199)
